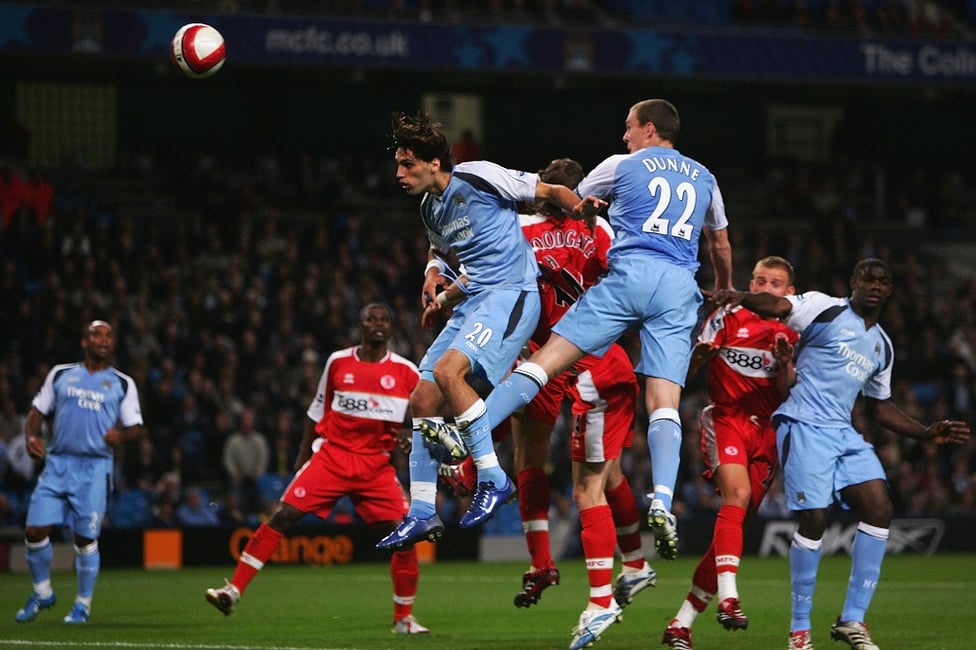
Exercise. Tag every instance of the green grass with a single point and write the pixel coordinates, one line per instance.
(922, 602)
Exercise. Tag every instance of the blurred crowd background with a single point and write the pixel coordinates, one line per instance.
(228, 298)
(225, 319)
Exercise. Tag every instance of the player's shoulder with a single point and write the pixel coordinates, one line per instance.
(406, 363)
(815, 299)
(343, 353)
(59, 368)
(123, 377)
(532, 220)
(883, 335)
(483, 169)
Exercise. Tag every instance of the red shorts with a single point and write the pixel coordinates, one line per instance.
(369, 481)
(740, 439)
(603, 391)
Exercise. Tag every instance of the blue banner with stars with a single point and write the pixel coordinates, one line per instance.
(27, 30)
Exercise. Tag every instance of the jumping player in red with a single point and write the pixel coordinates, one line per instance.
(359, 408)
(572, 256)
(750, 371)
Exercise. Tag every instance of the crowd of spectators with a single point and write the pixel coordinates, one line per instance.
(228, 301)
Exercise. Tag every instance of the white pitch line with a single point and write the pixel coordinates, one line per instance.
(160, 646)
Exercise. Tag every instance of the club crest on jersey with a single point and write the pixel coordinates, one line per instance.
(743, 333)
(387, 381)
(459, 201)
(106, 384)
(349, 378)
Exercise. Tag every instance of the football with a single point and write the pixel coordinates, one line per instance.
(198, 50)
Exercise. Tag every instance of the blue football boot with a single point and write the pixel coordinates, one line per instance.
(412, 530)
(487, 498)
(34, 605)
(78, 614)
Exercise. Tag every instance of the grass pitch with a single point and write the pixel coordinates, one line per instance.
(922, 602)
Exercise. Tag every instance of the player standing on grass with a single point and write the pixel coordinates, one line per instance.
(750, 371)
(87, 401)
(359, 407)
(469, 211)
(572, 256)
(661, 202)
(843, 352)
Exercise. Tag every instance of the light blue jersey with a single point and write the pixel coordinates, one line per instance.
(77, 476)
(836, 359)
(477, 217)
(85, 406)
(659, 202)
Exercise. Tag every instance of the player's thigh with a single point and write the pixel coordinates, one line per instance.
(603, 418)
(808, 456)
(46, 506)
(763, 465)
(439, 346)
(668, 321)
(859, 464)
(494, 327)
(317, 486)
(88, 499)
(601, 314)
(381, 498)
(722, 440)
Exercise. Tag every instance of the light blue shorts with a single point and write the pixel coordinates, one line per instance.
(819, 462)
(659, 297)
(490, 329)
(72, 490)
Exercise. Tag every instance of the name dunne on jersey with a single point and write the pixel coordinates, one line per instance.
(683, 166)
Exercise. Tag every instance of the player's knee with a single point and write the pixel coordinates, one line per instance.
(812, 523)
(447, 374)
(879, 514)
(738, 495)
(284, 516)
(426, 399)
(34, 534)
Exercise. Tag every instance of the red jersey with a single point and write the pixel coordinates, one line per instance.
(571, 260)
(359, 405)
(742, 376)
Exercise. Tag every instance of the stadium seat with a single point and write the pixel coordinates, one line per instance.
(130, 509)
(270, 487)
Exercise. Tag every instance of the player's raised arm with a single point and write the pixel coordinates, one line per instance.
(764, 304)
(568, 200)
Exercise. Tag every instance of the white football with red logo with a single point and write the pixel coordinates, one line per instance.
(198, 50)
